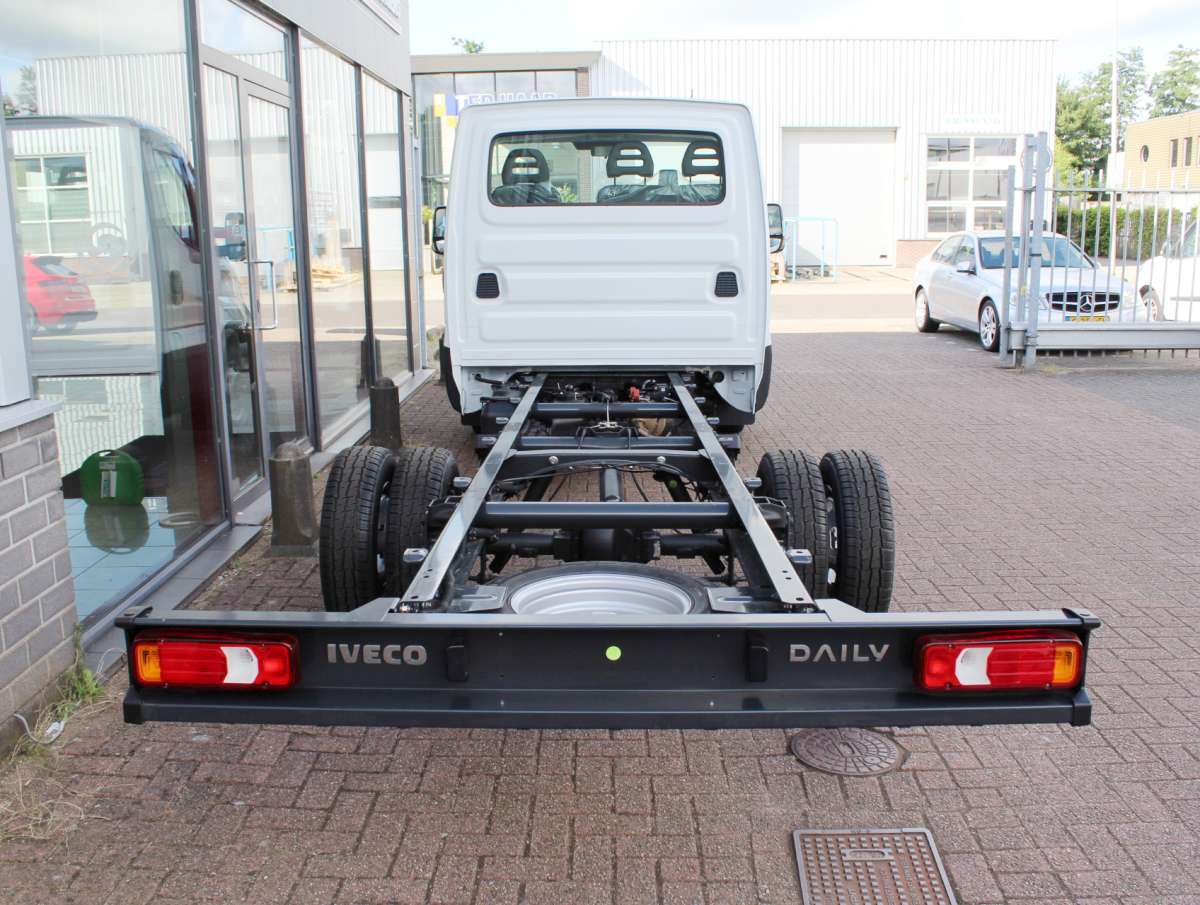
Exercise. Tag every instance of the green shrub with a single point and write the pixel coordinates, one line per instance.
(1141, 231)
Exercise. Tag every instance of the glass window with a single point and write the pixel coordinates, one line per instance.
(239, 33)
(335, 238)
(385, 226)
(949, 150)
(989, 218)
(990, 185)
(1057, 251)
(607, 167)
(480, 85)
(995, 147)
(1187, 151)
(435, 124)
(515, 86)
(1174, 152)
(965, 252)
(556, 84)
(946, 185)
(947, 219)
(104, 192)
(945, 251)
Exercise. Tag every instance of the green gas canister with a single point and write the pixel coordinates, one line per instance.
(111, 477)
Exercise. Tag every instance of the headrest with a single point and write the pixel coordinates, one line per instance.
(523, 165)
(630, 158)
(703, 157)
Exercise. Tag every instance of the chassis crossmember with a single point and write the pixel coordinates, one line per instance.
(454, 650)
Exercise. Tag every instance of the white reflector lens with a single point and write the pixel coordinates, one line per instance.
(971, 666)
(241, 665)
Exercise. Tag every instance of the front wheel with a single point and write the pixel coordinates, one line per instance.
(862, 536)
(925, 323)
(989, 327)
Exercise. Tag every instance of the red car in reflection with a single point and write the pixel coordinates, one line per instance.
(58, 298)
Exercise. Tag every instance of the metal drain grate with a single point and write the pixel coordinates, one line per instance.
(847, 752)
(870, 867)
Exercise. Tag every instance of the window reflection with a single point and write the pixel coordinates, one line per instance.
(385, 226)
(241, 34)
(99, 143)
(335, 231)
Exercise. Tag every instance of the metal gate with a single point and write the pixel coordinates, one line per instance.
(1088, 267)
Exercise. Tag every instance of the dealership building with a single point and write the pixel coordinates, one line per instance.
(205, 252)
(876, 148)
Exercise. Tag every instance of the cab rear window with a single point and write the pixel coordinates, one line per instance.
(606, 167)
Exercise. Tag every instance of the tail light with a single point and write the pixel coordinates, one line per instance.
(999, 661)
(200, 660)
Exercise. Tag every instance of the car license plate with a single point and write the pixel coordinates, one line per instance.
(1086, 317)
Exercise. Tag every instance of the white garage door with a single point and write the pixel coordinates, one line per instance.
(846, 174)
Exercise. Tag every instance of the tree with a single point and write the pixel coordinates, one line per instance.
(1083, 111)
(1176, 89)
(27, 90)
(1131, 91)
(467, 45)
(1081, 139)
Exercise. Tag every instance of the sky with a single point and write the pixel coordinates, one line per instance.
(1084, 31)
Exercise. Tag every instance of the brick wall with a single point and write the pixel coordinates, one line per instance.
(37, 596)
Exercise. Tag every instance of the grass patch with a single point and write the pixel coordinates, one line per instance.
(35, 804)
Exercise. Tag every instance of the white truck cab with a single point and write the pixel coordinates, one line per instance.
(606, 234)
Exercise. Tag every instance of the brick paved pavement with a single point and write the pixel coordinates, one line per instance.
(1076, 485)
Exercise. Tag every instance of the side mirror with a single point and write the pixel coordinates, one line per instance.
(438, 236)
(775, 227)
(964, 267)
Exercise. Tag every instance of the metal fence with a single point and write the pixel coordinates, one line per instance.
(1089, 266)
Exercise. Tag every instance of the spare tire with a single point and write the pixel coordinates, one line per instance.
(601, 588)
(862, 536)
(793, 477)
(352, 524)
(424, 475)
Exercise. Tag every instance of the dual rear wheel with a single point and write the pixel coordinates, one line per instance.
(376, 506)
(840, 510)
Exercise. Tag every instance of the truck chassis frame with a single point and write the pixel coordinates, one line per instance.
(761, 653)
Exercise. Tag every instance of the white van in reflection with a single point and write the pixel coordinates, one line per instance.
(1169, 283)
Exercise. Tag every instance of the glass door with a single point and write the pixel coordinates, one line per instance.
(252, 208)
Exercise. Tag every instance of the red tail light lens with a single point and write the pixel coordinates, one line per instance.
(999, 661)
(197, 660)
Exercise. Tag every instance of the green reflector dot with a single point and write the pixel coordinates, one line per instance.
(613, 653)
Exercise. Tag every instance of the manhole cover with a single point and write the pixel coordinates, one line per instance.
(870, 867)
(847, 752)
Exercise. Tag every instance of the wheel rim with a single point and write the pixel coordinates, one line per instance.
(831, 522)
(922, 315)
(601, 593)
(1153, 306)
(987, 325)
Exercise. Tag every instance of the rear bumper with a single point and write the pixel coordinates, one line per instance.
(593, 709)
(837, 667)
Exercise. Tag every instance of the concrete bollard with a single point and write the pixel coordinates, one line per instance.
(294, 515)
(385, 415)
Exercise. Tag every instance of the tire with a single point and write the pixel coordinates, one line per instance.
(925, 323)
(1154, 309)
(862, 538)
(352, 524)
(424, 475)
(794, 477)
(989, 326)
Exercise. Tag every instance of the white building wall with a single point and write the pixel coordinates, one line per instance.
(918, 87)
